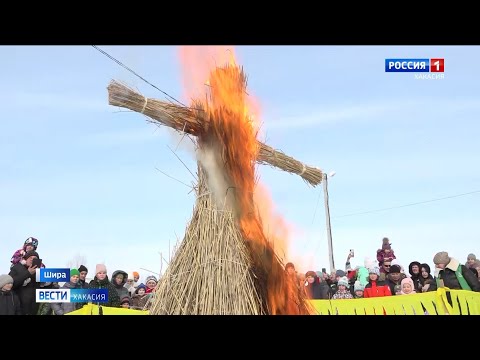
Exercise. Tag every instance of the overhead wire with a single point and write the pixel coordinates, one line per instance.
(136, 74)
(406, 205)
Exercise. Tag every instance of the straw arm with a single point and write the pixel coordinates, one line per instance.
(270, 156)
(192, 122)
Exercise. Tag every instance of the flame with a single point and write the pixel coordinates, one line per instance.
(232, 133)
(197, 62)
(275, 226)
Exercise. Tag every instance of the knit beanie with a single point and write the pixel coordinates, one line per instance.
(31, 241)
(343, 281)
(471, 257)
(395, 269)
(141, 286)
(441, 258)
(5, 279)
(340, 273)
(82, 268)
(374, 270)
(409, 281)
(125, 299)
(74, 272)
(151, 277)
(358, 286)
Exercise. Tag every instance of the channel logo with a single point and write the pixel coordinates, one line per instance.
(52, 275)
(71, 295)
(434, 65)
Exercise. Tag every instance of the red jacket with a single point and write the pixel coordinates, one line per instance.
(376, 289)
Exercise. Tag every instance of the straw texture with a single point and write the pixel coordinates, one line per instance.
(192, 122)
(210, 273)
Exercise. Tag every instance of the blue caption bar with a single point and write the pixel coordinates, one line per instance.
(71, 295)
(54, 275)
(407, 65)
(89, 295)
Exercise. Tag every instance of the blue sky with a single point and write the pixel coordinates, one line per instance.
(82, 177)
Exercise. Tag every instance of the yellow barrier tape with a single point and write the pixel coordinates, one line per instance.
(434, 303)
(91, 309)
(431, 303)
(473, 303)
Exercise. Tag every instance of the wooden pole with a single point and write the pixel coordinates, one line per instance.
(329, 228)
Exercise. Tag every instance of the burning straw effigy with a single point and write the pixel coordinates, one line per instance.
(194, 122)
(225, 264)
(210, 272)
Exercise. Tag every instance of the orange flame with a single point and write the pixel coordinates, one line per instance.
(232, 131)
(274, 225)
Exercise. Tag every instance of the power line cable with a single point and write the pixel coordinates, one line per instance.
(134, 73)
(411, 204)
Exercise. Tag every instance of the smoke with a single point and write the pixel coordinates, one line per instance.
(217, 180)
(181, 141)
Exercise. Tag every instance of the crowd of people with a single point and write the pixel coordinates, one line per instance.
(18, 287)
(386, 277)
(376, 278)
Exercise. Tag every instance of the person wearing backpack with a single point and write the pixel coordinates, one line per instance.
(453, 275)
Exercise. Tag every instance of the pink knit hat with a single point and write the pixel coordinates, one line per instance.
(100, 267)
(408, 280)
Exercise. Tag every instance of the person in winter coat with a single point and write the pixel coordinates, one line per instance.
(151, 283)
(46, 308)
(294, 291)
(131, 284)
(376, 288)
(427, 281)
(30, 244)
(358, 288)
(119, 279)
(471, 258)
(414, 270)
(136, 278)
(140, 298)
(394, 278)
(342, 292)
(476, 266)
(100, 281)
(25, 284)
(386, 253)
(125, 302)
(82, 281)
(316, 288)
(9, 301)
(408, 287)
(65, 308)
(396, 262)
(453, 275)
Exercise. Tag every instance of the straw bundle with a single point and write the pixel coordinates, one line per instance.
(225, 263)
(192, 122)
(210, 273)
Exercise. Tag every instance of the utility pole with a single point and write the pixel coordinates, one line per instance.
(327, 215)
(161, 264)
